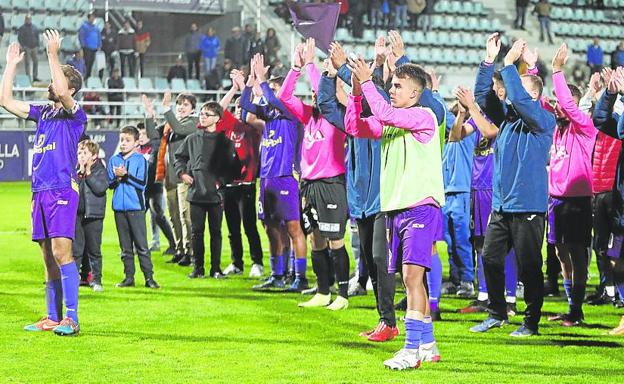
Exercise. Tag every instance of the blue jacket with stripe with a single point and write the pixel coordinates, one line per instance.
(129, 190)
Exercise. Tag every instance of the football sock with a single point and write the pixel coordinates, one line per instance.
(320, 266)
(70, 280)
(427, 331)
(481, 274)
(434, 282)
(292, 267)
(577, 295)
(300, 267)
(610, 289)
(620, 289)
(511, 274)
(54, 299)
(331, 274)
(340, 259)
(567, 287)
(413, 333)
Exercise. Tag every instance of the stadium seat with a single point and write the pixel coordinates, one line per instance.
(412, 53)
(468, 8)
(160, 83)
(432, 38)
(178, 85)
(70, 44)
(343, 35)
(22, 81)
(94, 82)
(21, 5)
(442, 6)
(193, 85)
(369, 36)
(129, 83)
(38, 20)
(419, 37)
(52, 21)
(145, 83)
(456, 7)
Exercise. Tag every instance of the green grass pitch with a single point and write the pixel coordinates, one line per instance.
(207, 331)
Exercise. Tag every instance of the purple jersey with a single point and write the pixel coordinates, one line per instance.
(279, 147)
(483, 160)
(56, 145)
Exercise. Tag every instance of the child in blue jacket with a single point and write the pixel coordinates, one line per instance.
(127, 175)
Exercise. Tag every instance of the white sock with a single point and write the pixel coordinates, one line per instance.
(482, 296)
(610, 290)
(511, 299)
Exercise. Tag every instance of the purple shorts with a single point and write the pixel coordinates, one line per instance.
(480, 210)
(569, 220)
(279, 199)
(54, 213)
(411, 234)
(615, 246)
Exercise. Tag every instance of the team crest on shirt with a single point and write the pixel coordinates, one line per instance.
(314, 137)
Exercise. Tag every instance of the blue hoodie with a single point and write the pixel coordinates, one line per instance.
(89, 36)
(520, 180)
(210, 46)
(128, 192)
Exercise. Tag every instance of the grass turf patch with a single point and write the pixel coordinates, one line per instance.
(219, 331)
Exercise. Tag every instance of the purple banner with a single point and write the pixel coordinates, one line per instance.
(16, 151)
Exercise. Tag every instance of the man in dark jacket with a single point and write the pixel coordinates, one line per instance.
(193, 52)
(521, 8)
(171, 134)
(235, 47)
(205, 161)
(28, 38)
(176, 71)
(125, 41)
(109, 45)
(91, 209)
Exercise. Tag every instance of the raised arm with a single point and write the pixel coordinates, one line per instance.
(483, 124)
(564, 95)
(59, 81)
(16, 107)
(604, 119)
(369, 128)
(312, 71)
(150, 124)
(287, 95)
(185, 129)
(328, 103)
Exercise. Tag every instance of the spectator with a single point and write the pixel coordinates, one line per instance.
(542, 9)
(109, 45)
(521, 7)
(90, 41)
(115, 82)
(177, 71)
(193, 52)
(357, 9)
(617, 57)
(125, 40)
(77, 61)
(219, 75)
(344, 13)
(142, 40)
(376, 15)
(210, 46)
(28, 38)
(415, 8)
(90, 109)
(594, 57)
(427, 15)
(400, 14)
(256, 46)
(278, 70)
(234, 47)
(249, 35)
(271, 45)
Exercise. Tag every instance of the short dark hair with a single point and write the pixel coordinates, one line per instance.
(277, 79)
(188, 97)
(536, 81)
(140, 125)
(497, 76)
(130, 130)
(413, 72)
(74, 78)
(576, 92)
(428, 81)
(213, 106)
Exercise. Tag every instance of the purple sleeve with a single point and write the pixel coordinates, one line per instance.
(35, 112)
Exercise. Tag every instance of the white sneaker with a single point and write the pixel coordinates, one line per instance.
(256, 271)
(356, 290)
(429, 352)
(339, 304)
(232, 270)
(404, 359)
(317, 300)
(97, 287)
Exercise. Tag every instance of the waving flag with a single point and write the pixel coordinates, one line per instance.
(318, 21)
